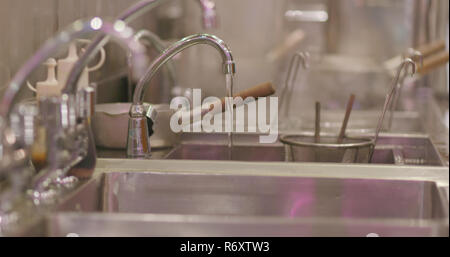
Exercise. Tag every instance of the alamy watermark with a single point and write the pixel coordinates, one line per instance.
(208, 116)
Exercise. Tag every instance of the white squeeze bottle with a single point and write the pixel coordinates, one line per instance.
(47, 88)
(65, 67)
(50, 87)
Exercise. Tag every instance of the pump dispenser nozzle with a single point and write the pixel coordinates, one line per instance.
(50, 87)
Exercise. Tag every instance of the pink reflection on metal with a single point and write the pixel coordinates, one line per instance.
(304, 200)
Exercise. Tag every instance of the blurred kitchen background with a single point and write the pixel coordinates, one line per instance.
(349, 40)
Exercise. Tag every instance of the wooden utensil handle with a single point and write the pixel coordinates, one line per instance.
(434, 62)
(348, 110)
(262, 90)
(317, 123)
(432, 48)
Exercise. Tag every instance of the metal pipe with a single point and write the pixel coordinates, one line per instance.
(417, 56)
(286, 96)
(402, 68)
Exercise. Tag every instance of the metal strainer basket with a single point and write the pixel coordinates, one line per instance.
(303, 148)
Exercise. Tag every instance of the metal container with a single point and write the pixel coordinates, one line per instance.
(303, 148)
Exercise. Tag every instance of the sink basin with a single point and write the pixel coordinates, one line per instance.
(152, 204)
(399, 150)
(268, 196)
(392, 149)
(163, 204)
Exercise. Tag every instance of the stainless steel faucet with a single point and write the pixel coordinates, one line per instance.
(138, 145)
(65, 123)
(133, 12)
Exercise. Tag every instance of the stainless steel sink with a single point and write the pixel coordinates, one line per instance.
(399, 150)
(268, 196)
(164, 204)
(235, 198)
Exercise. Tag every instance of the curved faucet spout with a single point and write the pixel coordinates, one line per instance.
(229, 66)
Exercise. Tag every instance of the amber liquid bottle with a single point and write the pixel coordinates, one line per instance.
(39, 150)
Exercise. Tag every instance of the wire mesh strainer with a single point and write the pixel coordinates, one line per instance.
(303, 148)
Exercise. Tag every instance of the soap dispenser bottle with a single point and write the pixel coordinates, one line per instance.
(44, 89)
(66, 65)
(50, 87)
